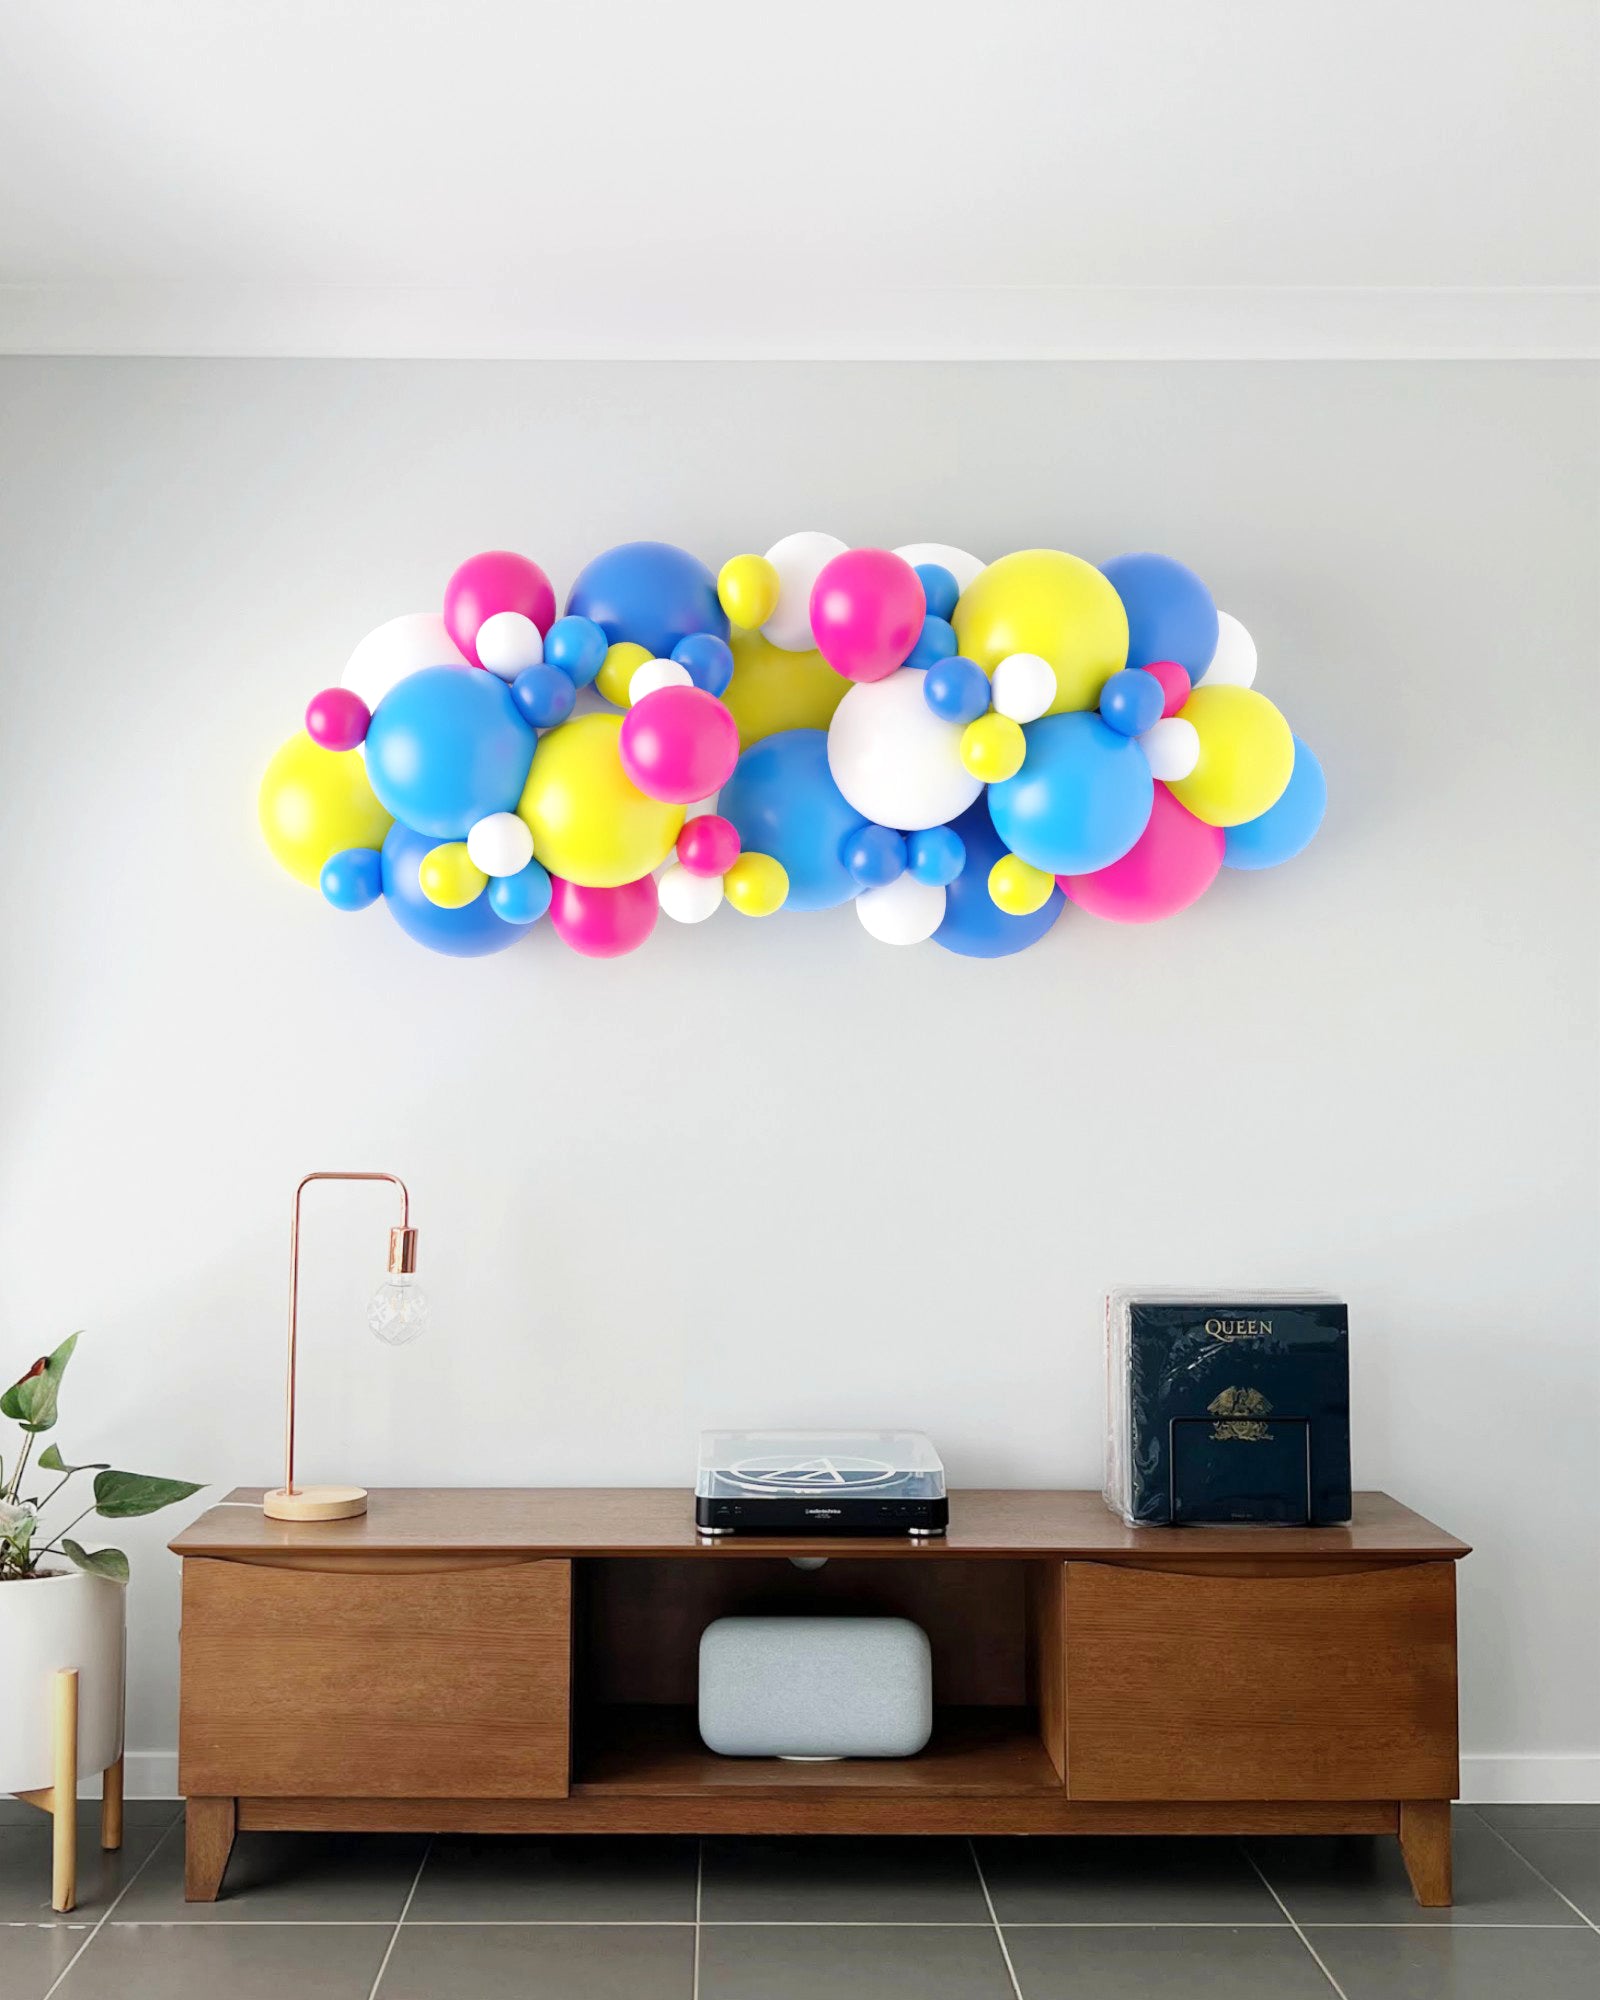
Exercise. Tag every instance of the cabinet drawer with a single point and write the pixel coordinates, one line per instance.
(435, 1683)
(1299, 1686)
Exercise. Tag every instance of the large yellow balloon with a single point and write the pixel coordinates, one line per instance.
(1246, 755)
(450, 877)
(772, 690)
(1046, 602)
(590, 823)
(314, 803)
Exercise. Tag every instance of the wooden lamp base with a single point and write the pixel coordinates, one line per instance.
(315, 1503)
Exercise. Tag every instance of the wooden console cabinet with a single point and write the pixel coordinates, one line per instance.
(523, 1661)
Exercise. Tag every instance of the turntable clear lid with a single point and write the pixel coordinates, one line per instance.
(783, 1465)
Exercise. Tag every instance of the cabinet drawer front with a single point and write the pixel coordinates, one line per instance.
(1306, 1686)
(437, 1684)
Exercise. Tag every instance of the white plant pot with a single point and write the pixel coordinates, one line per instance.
(47, 1623)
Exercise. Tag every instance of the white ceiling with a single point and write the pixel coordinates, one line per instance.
(831, 177)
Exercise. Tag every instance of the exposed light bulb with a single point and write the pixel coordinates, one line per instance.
(397, 1312)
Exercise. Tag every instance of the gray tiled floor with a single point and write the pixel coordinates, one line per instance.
(390, 1918)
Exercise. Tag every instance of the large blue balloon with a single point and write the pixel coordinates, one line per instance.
(447, 746)
(1170, 612)
(649, 593)
(973, 925)
(470, 932)
(1081, 799)
(784, 802)
(1283, 829)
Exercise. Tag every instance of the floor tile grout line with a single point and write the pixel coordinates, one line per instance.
(1000, 1936)
(1321, 1963)
(1545, 1879)
(394, 1935)
(699, 1886)
(784, 1923)
(155, 1848)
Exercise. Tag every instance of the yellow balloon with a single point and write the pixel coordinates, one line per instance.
(1018, 888)
(621, 663)
(314, 803)
(772, 690)
(992, 748)
(1246, 755)
(747, 589)
(756, 885)
(450, 877)
(1046, 602)
(590, 823)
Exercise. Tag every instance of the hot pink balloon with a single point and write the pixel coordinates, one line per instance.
(1175, 683)
(603, 923)
(708, 844)
(1172, 863)
(489, 584)
(337, 719)
(679, 744)
(867, 609)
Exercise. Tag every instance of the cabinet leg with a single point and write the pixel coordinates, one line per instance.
(1425, 1846)
(111, 1806)
(64, 1791)
(208, 1829)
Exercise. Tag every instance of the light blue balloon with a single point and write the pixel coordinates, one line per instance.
(936, 641)
(1286, 827)
(783, 801)
(353, 878)
(936, 855)
(940, 591)
(974, 926)
(1081, 799)
(578, 647)
(445, 748)
(522, 898)
(470, 932)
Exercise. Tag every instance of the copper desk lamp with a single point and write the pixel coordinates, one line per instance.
(397, 1313)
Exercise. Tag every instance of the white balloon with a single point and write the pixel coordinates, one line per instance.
(1172, 746)
(507, 643)
(500, 844)
(403, 646)
(894, 759)
(904, 911)
(1233, 664)
(652, 674)
(1023, 686)
(799, 560)
(960, 565)
(687, 897)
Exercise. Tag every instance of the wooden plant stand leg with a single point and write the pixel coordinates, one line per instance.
(208, 1830)
(60, 1798)
(111, 1806)
(1425, 1846)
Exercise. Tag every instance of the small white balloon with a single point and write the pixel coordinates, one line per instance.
(799, 560)
(507, 643)
(960, 565)
(500, 844)
(904, 911)
(1233, 664)
(686, 897)
(404, 646)
(652, 674)
(1023, 686)
(1172, 746)
(897, 762)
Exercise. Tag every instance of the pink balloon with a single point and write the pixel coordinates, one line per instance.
(337, 719)
(488, 584)
(679, 744)
(867, 609)
(1172, 863)
(603, 923)
(1175, 684)
(708, 844)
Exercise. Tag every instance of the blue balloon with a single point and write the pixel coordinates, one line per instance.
(522, 898)
(784, 802)
(709, 660)
(1132, 701)
(578, 647)
(353, 878)
(650, 593)
(545, 695)
(936, 641)
(875, 856)
(1170, 612)
(940, 591)
(1081, 799)
(447, 746)
(471, 932)
(973, 925)
(936, 855)
(1284, 828)
(956, 690)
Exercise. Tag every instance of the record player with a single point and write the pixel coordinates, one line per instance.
(819, 1483)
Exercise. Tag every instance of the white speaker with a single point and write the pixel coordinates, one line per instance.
(815, 1687)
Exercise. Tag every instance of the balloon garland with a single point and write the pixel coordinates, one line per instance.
(960, 748)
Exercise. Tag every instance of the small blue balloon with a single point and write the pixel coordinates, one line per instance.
(940, 590)
(1170, 612)
(522, 898)
(875, 856)
(936, 855)
(783, 801)
(1081, 799)
(709, 660)
(936, 641)
(445, 748)
(353, 878)
(471, 932)
(1132, 701)
(649, 593)
(578, 647)
(1283, 829)
(974, 926)
(956, 690)
(545, 695)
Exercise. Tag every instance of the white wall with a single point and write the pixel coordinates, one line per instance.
(776, 1173)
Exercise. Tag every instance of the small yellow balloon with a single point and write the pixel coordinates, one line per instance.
(992, 748)
(450, 877)
(1046, 602)
(1017, 887)
(772, 690)
(314, 803)
(621, 663)
(590, 823)
(1246, 755)
(756, 885)
(747, 589)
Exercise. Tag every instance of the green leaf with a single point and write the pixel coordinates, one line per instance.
(119, 1495)
(50, 1460)
(98, 1562)
(31, 1401)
